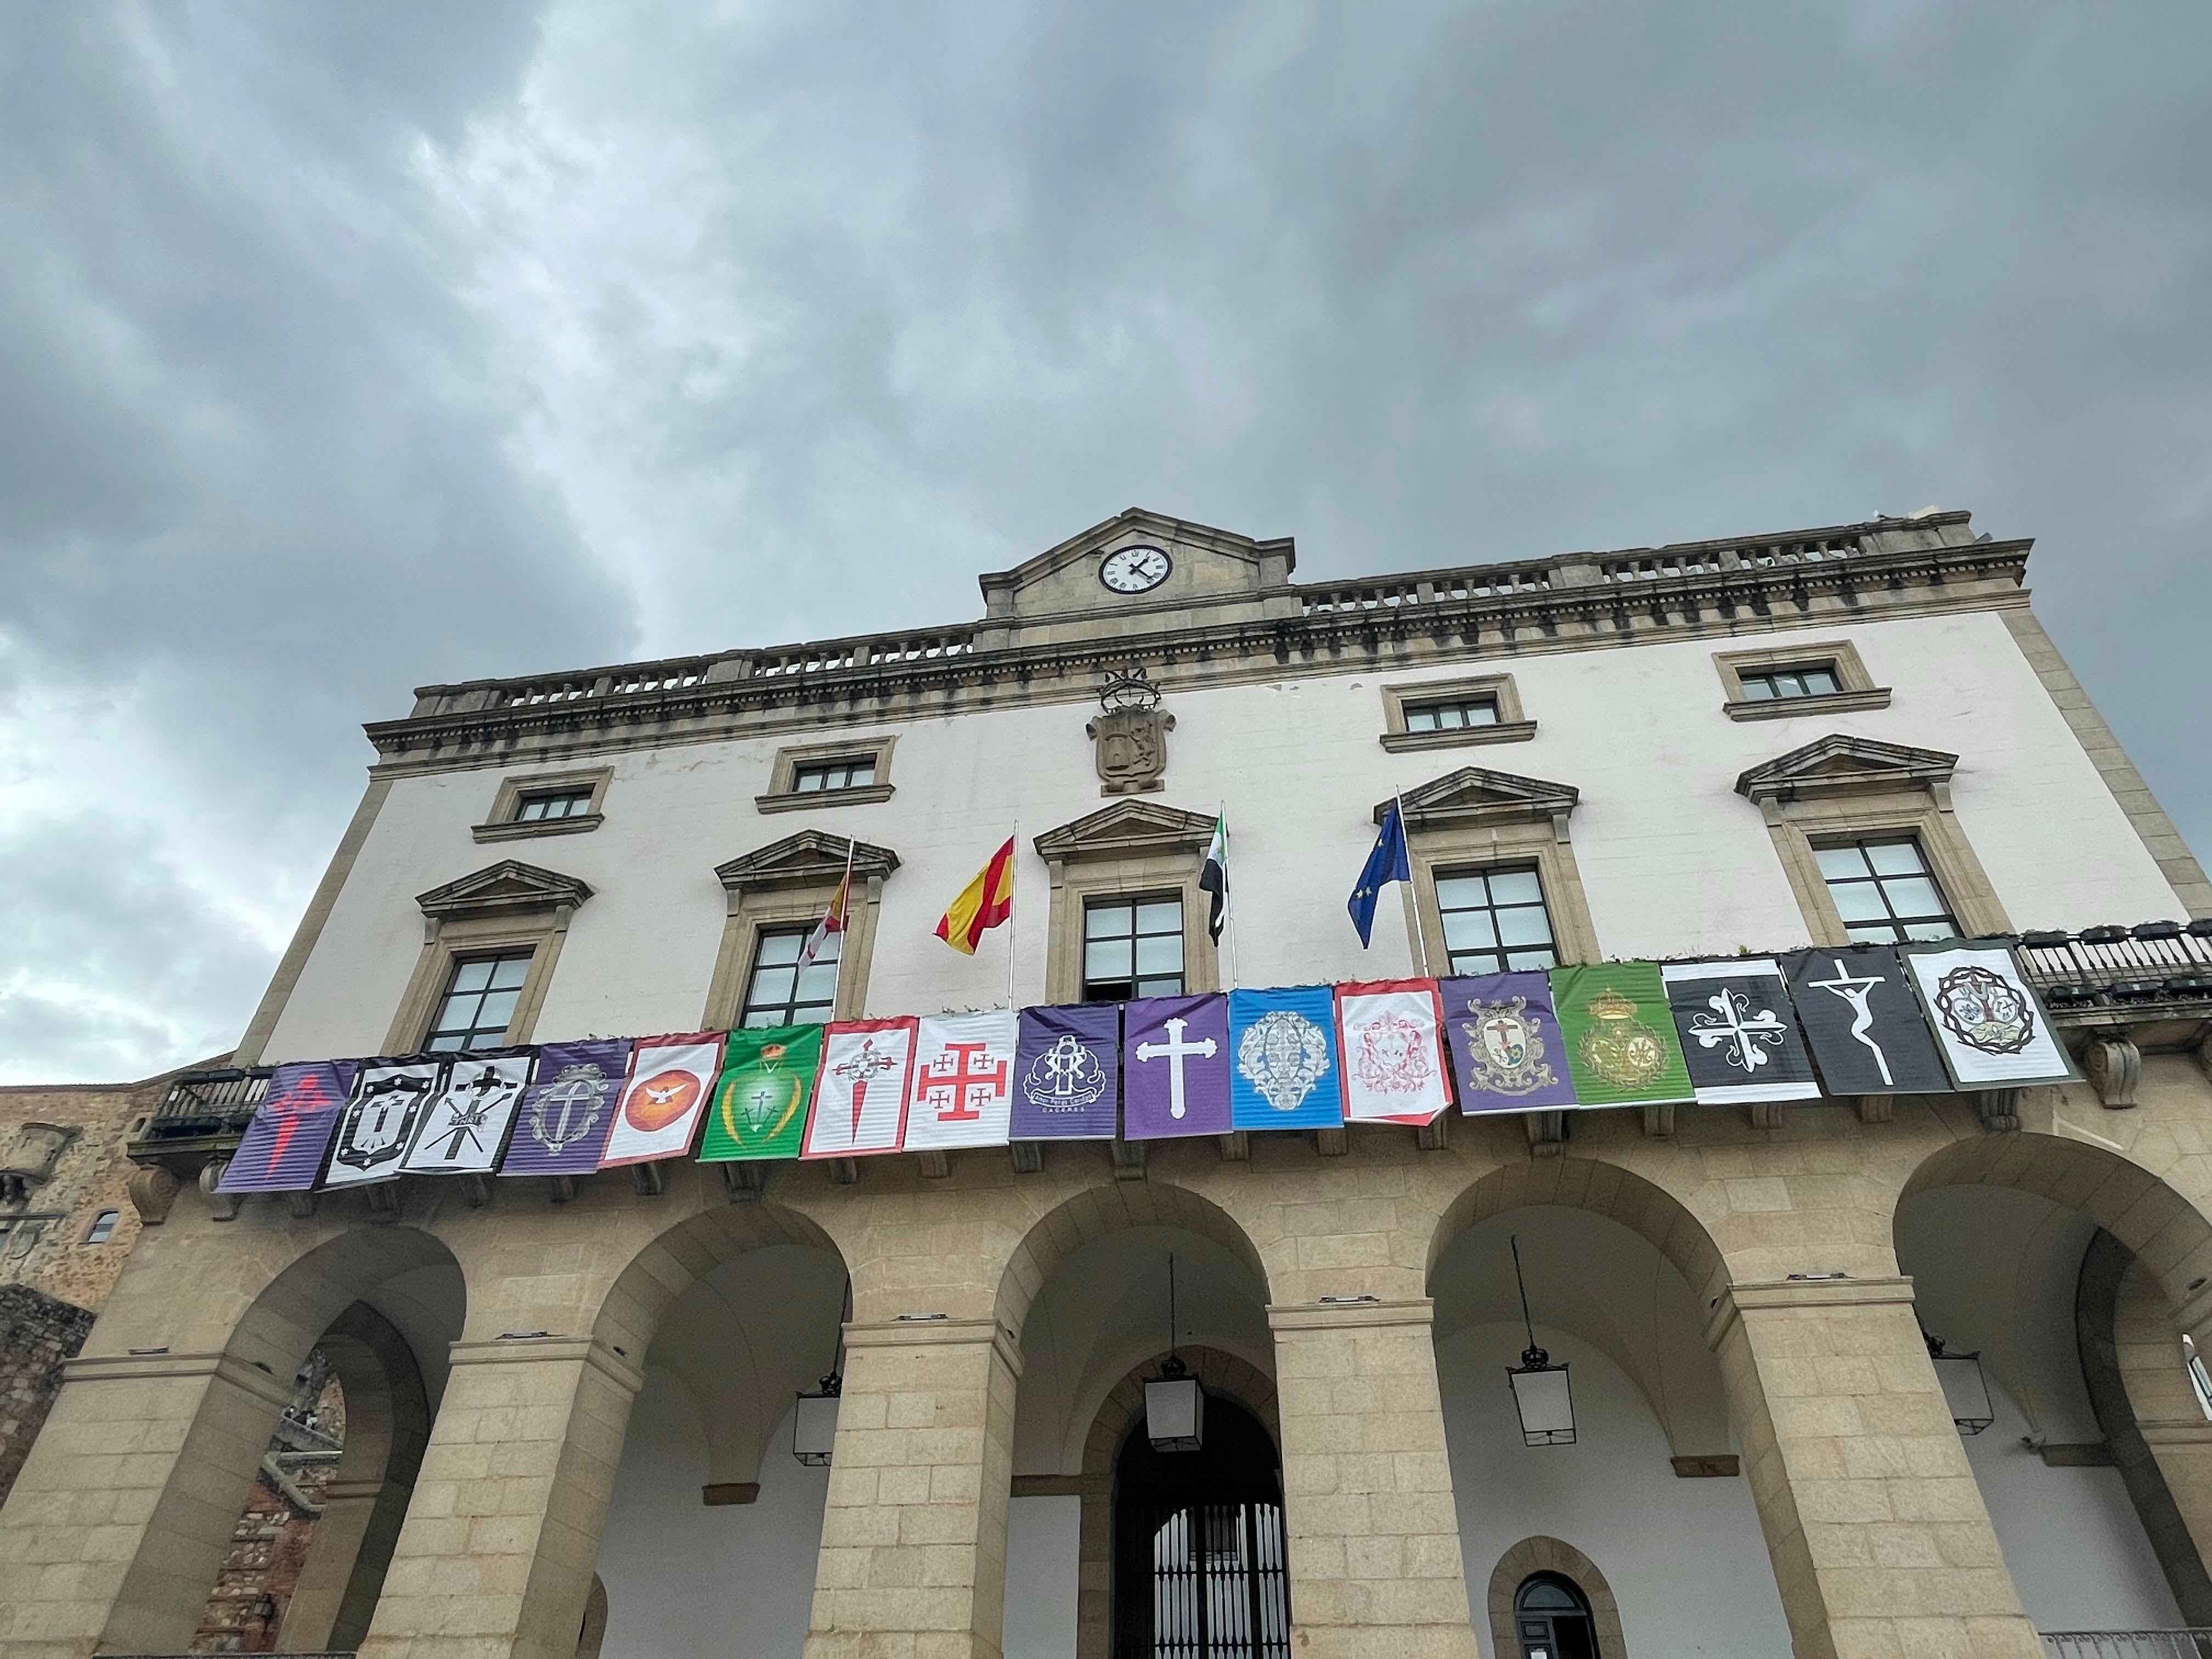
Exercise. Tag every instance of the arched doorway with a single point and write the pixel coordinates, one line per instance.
(1199, 1566)
(1551, 1617)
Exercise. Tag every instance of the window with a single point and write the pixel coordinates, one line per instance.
(552, 804)
(1553, 1619)
(479, 1003)
(1814, 679)
(1885, 891)
(1133, 947)
(103, 1227)
(778, 992)
(817, 776)
(1456, 715)
(1495, 920)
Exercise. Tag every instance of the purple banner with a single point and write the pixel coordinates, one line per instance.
(1505, 1048)
(1067, 1073)
(562, 1123)
(1175, 1059)
(283, 1146)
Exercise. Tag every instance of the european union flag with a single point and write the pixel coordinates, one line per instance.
(1386, 864)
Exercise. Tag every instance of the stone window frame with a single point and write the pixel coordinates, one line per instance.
(781, 885)
(783, 795)
(1841, 789)
(1839, 656)
(510, 906)
(1478, 820)
(1513, 725)
(1540, 1553)
(502, 825)
(1128, 850)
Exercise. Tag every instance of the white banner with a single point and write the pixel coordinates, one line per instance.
(379, 1121)
(664, 1099)
(1387, 1045)
(860, 1098)
(964, 1069)
(467, 1123)
(1992, 1030)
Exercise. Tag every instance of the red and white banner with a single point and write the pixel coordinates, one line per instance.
(1387, 1043)
(860, 1096)
(663, 1098)
(963, 1073)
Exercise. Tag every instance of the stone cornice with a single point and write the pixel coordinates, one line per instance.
(1485, 613)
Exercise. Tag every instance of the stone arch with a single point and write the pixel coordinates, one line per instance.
(687, 1252)
(2163, 1230)
(1118, 1417)
(1099, 1211)
(1541, 1554)
(303, 1300)
(1605, 1189)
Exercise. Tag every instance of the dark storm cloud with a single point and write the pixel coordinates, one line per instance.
(344, 347)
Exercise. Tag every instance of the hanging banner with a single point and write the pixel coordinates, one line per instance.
(1738, 1034)
(1503, 1034)
(467, 1122)
(282, 1148)
(566, 1114)
(379, 1121)
(1992, 1029)
(1388, 1043)
(1862, 1022)
(964, 1076)
(1282, 1044)
(1175, 1067)
(860, 1098)
(1067, 1073)
(1619, 1035)
(665, 1098)
(759, 1107)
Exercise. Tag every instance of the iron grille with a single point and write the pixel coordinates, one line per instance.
(1219, 1588)
(2192, 1643)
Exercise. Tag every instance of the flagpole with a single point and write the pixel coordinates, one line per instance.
(1228, 896)
(1420, 939)
(1013, 910)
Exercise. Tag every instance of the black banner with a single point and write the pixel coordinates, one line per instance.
(1864, 1022)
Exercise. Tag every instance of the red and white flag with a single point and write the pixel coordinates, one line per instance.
(963, 1075)
(834, 919)
(1387, 1033)
(860, 1093)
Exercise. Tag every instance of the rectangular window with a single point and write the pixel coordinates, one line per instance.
(1456, 715)
(479, 1003)
(1133, 947)
(1812, 679)
(778, 992)
(103, 1227)
(1885, 891)
(817, 776)
(1495, 920)
(540, 807)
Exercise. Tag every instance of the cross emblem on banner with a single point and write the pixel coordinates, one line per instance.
(1173, 1051)
(988, 1081)
(1733, 1023)
(869, 1064)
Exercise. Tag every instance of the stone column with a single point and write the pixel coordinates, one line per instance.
(2151, 1417)
(914, 1532)
(496, 1554)
(118, 1520)
(1881, 1545)
(330, 1605)
(1374, 1537)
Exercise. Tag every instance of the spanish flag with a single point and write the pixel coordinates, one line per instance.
(983, 904)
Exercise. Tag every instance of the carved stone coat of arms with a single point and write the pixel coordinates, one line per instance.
(1131, 736)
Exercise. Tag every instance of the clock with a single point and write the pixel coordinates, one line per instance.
(1135, 570)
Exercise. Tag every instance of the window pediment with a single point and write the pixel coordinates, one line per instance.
(1841, 764)
(508, 885)
(1128, 828)
(1475, 794)
(811, 858)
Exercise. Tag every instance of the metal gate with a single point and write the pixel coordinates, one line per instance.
(1218, 1587)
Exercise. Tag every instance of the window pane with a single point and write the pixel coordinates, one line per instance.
(472, 975)
(1469, 930)
(1105, 959)
(1515, 887)
(1459, 892)
(441, 1044)
(1543, 958)
(1420, 719)
(1482, 713)
(1931, 930)
(1840, 863)
(1820, 680)
(1882, 935)
(833, 949)
(1914, 896)
(509, 972)
(1108, 920)
(771, 987)
(1168, 986)
(485, 1040)
(1450, 716)
(498, 1008)
(1160, 916)
(1896, 858)
(1857, 901)
(818, 984)
(1757, 688)
(1162, 953)
(778, 949)
(1474, 961)
(1526, 926)
(861, 772)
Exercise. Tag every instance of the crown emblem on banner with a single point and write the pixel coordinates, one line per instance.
(1610, 1004)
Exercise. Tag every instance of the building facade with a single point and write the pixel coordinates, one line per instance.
(570, 1405)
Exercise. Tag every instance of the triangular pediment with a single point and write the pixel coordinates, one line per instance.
(1127, 829)
(1204, 565)
(1842, 765)
(1475, 794)
(811, 858)
(510, 884)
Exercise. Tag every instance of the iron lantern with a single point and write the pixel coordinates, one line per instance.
(1540, 1391)
(1965, 1390)
(814, 1422)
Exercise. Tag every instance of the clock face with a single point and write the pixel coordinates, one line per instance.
(1135, 570)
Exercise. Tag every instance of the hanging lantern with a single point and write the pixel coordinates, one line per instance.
(1965, 1388)
(814, 1422)
(1175, 1404)
(1540, 1392)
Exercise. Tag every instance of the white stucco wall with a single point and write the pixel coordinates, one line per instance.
(1673, 860)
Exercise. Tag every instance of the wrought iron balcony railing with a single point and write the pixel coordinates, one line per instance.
(2194, 1644)
(202, 1104)
(2151, 963)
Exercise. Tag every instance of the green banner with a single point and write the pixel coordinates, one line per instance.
(759, 1108)
(1619, 1035)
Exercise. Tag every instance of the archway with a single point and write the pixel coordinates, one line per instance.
(2018, 1247)
(1536, 1560)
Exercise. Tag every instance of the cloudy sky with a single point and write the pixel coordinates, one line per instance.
(348, 347)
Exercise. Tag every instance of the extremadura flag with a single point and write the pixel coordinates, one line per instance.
(760, 1099)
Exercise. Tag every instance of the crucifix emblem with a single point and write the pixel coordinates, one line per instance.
(861, 1069)
(1855, 993)
(465, 1118)
(1747, 1036)
(1173, 1051)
